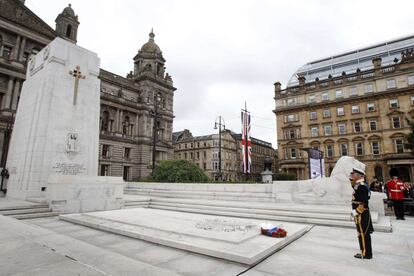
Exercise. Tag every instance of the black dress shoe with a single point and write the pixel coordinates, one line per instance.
(403, 218)
(359, 256)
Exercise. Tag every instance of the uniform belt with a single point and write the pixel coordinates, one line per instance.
(398, 191)
(357, 202)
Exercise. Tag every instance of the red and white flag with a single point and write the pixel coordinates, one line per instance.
(246, 142)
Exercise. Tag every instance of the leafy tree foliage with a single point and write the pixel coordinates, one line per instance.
(178, 171)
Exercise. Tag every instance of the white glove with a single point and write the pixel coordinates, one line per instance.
(354, 213)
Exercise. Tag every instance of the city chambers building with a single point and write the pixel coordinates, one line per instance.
(354, 104)
(136, 111)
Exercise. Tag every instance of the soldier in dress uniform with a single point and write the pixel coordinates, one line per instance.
(360, 212)
(396, 192)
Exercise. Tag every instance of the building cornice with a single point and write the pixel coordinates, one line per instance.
(349, 100)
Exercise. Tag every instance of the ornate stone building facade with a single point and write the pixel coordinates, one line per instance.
(136, 110)
(204, 152)
(352, 104)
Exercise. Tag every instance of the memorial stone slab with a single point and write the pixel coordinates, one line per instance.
(234, 239)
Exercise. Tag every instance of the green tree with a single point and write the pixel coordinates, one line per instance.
(178, 171)
(409, 138)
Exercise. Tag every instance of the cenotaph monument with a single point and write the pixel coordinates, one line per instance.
(54, 147)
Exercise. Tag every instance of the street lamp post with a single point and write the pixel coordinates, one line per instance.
(155, 115)
(218, 125)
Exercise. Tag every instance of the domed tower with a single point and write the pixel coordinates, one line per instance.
(149, 59)
(67, 24)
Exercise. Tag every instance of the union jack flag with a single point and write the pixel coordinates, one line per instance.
(246, 142)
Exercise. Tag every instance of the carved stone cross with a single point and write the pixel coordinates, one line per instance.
(77, 75)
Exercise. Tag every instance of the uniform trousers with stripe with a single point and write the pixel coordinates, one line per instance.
(364, 227)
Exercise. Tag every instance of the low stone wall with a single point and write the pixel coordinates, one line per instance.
(206, 187)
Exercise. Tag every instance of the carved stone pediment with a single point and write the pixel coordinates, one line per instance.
(16, 12)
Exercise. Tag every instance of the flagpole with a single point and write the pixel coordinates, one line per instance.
(246, 147)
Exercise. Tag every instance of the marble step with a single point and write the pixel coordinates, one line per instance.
(21, 207)
(135, 204)
(24, 211)
(235, 196)
(305, 208)
(198, 192)
(41, 200)
(383, 227)
(35, 215)
(296, 214)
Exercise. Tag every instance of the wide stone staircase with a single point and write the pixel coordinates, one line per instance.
(28, 211)
(249, 204)
(233, 192)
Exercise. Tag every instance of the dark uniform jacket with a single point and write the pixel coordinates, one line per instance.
(360, 204)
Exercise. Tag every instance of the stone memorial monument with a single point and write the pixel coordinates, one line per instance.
(54, 147)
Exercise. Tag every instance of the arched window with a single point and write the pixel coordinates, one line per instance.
(69, 30)
(105, 121)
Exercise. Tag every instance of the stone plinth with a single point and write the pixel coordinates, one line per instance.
(234, 239)
(78, 194)
(267, 176)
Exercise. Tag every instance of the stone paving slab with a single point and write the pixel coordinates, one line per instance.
(329, 251)
(27, 249)
(175, 260)
(322, 251)
(233, 239)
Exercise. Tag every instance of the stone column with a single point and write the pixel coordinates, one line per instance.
(115, 129)
(111, 125)
(137, 125)
(16, 94)
(120, 114)
(22, 47)
(8, 95)
(15, 54)
(144, 125)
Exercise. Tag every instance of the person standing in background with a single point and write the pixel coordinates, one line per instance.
(396, 193)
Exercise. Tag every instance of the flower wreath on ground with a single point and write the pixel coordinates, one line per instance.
(272, 230)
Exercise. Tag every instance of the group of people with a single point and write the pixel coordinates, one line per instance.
(396, 191)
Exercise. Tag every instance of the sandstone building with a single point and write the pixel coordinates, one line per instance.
(355, 104)
(204, 152)
(129, 105)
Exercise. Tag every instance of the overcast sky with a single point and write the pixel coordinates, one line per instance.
(223, 53)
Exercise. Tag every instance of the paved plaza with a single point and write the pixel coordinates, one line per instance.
(50, 246)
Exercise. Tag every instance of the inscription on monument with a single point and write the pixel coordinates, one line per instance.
(224, 225)
(69, 168)
(13, 170)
